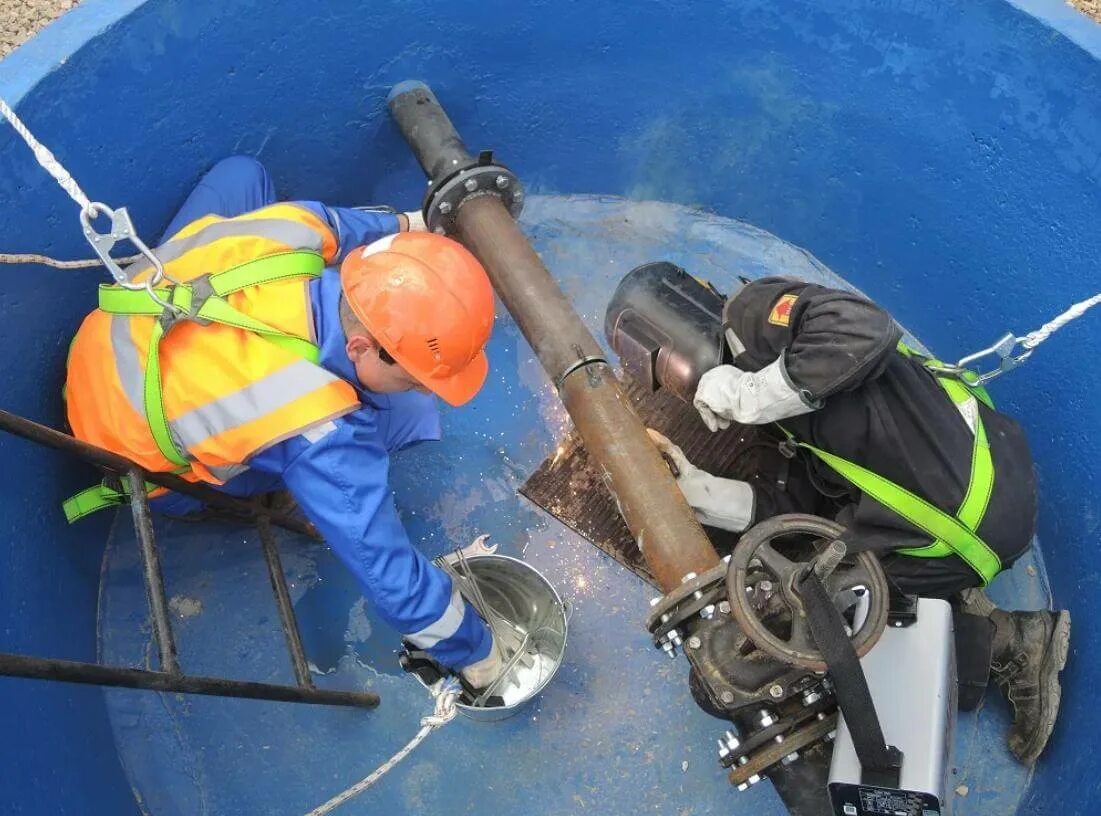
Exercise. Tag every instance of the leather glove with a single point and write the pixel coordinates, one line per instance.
(723, 503)
(726, 394)
(416, 221)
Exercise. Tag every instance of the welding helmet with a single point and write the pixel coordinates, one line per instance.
(666, 327)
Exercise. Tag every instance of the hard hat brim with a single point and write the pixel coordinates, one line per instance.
(460, 388)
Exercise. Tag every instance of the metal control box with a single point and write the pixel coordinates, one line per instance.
(912, 677)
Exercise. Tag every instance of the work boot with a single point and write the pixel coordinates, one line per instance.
(1030, 649)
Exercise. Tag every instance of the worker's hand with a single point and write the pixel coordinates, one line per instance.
(727, 394)
(723, 503)
(414, 222)
(485, 671)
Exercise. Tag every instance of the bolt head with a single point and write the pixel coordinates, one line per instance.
(688, 577)
(693, 642)
(766, 720)
(778, 739)
(742, 788)
(727, 697)
(776, 691)
(470, 185)
(502, 182)
(445, 207)
(724, 607)
(708, 612)
(655, 601)
(790, 758)
(811, 697)
(753, 780)
(765, 586)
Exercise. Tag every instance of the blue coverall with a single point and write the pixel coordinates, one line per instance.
(338, 472)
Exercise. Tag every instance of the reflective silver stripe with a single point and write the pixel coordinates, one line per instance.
(291, 233)
(444, 626)
(227, 472)
(255, 400)
(128, 363)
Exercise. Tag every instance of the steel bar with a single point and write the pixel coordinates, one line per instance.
(69, 671)
(661, 521)
(152, 576)
(44, 435)
(283, 603)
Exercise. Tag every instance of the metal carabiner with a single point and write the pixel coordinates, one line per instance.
(1004, 349)
(122, 229)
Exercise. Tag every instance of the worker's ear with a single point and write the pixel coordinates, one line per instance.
(359, 345)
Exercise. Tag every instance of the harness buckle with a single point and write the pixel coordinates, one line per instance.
(787, 448)
(199, 290)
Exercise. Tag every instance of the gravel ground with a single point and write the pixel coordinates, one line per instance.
(19, 19)
(1090, 7)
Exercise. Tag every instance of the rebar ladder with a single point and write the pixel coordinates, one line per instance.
(170, 677)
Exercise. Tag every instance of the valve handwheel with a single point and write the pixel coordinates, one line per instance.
(771, 558)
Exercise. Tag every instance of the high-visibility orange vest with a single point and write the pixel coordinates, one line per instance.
(230, 369)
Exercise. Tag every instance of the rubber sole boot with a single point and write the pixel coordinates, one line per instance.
(1030, 649)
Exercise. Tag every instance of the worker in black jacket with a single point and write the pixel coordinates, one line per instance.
(919, 468)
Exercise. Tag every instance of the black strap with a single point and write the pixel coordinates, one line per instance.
(880, 763)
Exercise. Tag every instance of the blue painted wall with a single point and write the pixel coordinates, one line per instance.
(946, 158)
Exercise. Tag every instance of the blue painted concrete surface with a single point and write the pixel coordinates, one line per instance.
(943, 157)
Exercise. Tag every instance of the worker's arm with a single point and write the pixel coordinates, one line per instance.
(799, 344)
(339, 475)
(359, 227)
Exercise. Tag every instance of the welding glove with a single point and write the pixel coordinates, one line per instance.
(723, 503)
(416, 221)
(727, 394)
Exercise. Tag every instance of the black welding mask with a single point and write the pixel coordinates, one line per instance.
(666, 327)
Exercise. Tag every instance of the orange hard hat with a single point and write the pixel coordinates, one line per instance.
(429, 303)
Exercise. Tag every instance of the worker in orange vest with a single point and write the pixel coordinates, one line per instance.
(296, 346)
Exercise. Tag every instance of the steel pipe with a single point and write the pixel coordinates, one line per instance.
(663, 524)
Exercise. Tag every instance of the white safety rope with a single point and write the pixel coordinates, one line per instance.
(47, 159)
(444, 712)
(1006, 348)
(121, 226)
(1033, 339)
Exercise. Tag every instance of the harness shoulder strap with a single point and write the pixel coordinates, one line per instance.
(203, 300)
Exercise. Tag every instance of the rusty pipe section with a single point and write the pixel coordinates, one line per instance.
(663, 524)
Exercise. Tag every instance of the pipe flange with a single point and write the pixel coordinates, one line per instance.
(668, 605)
(479, 178)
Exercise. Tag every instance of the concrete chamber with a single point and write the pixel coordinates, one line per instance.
(944, 159)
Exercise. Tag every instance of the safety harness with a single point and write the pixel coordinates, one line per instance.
(951, 534)
(201, 300)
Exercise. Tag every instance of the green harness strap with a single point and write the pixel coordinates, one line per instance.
(203, 301)
(97, 498)
(950, 534)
